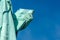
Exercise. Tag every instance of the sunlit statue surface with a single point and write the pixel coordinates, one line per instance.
(11, 22)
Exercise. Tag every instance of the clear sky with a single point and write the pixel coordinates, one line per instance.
(46, 22)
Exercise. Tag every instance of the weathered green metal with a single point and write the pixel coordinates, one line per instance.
(11, 23)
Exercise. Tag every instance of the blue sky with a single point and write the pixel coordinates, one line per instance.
(46, 22)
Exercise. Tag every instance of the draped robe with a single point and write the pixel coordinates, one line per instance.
(11, 22)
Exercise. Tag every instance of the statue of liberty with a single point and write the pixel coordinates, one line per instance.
(10, 23)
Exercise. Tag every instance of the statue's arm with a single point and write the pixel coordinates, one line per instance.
(23, 18)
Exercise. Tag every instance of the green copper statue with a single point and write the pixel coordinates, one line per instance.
(10, 23)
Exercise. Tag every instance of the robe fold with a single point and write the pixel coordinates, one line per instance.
(10, 23)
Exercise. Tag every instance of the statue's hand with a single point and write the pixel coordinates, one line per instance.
(24, 16)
